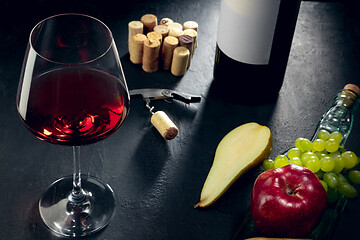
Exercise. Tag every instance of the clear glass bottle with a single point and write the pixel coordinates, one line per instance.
(339, 117)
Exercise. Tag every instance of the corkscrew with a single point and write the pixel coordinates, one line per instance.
(147, 105)
(159, 119)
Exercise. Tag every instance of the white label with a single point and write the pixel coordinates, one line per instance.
(246, 29)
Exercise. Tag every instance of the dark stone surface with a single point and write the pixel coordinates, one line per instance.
(157, 182)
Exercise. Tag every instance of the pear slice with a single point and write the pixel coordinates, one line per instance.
(241, 149)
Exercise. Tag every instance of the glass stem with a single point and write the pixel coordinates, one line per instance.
(77, 194)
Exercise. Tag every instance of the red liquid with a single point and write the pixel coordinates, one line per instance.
(75, 106)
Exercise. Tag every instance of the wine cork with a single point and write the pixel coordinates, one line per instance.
(175, 25)
(164, 125)
(175, 32)
(170, 43)
(350, 96)
(166, 21)
(149, 21)
(136, 48)
(135, 27)
(353, 88)
(190, 25)
(192, 33)
(162, 29)
(155, 35)
(151, 55)
(180, 60)
(188, 42)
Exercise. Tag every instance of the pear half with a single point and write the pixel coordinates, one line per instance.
(241, 149)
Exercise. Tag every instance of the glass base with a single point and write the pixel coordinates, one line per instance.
(74, 219)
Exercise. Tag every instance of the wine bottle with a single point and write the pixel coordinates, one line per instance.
(253, 44)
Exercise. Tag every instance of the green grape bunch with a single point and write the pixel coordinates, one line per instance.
(330, 161)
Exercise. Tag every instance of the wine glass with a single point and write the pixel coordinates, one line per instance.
(73, 92)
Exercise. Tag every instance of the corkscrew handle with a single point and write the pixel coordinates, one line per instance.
(164, 94)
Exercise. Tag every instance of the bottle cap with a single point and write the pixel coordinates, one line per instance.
(353, 88)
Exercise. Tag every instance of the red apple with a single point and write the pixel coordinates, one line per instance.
(287, 201)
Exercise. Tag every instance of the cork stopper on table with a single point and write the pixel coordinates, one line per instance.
(165, 21)
(175, 32)
(136, 48)
(149, 21)
(188, 42)
(155, 35)
(170, 43)
(135, 27)
(180, 60)
(162, 29)
(164, 125)
(151, 55)
(192, 33)
(175, 25)
(191, 25)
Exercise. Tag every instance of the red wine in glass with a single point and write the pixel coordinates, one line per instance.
(75, 106)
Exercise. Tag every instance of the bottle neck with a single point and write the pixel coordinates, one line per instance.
(347, 98)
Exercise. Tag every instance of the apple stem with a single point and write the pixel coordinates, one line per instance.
(293, 191)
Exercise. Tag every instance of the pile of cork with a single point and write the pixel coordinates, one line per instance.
(166, 45)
